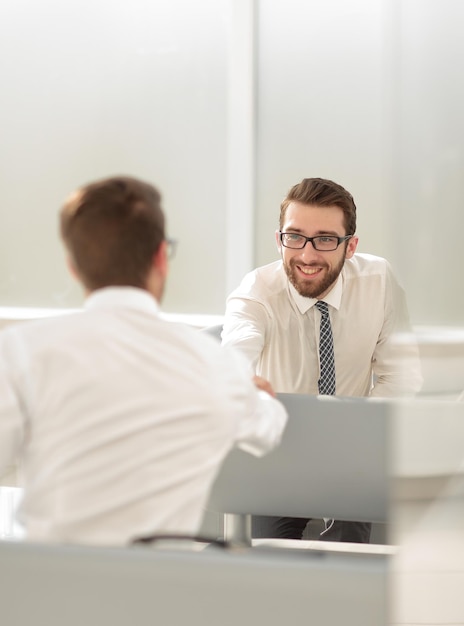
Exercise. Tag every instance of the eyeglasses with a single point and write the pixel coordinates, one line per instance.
(171, 248)
(323, 243)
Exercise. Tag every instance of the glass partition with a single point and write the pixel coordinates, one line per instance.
(97, 88)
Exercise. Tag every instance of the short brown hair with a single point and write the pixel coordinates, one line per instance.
(112, 228)
(322, 192)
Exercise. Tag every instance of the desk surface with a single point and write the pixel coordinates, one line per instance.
(56, 585)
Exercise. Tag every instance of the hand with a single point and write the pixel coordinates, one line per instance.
(264, 385)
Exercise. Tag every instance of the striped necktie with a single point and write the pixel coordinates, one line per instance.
(326, 381)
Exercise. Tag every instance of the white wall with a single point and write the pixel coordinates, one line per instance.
(92, 88)
(428, 157)
(370, 94)
(367, 92)
(322, 68)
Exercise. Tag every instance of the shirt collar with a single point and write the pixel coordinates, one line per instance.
(122, 297)
(334, 297)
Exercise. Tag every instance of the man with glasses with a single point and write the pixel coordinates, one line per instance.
(274, 317)
(119, 419)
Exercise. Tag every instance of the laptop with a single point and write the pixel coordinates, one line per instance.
(331, 462)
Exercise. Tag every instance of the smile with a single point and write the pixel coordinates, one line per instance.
(309, 271)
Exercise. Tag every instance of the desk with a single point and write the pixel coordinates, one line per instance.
(56, 585)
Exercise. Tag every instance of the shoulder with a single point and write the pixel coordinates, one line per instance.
(195, 344)
(24, 340)
(199, 351)
(368, 272)
(41, 329)
(362, 264)
(262, 283)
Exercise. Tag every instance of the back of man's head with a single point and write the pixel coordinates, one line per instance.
(112, 228)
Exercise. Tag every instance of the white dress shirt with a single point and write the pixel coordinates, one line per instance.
(277, 329)
(120, 420)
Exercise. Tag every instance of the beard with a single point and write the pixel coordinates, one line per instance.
(312, 288)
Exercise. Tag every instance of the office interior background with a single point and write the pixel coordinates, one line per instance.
(225, 104)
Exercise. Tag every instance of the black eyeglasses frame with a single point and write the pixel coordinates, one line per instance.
(312, 239)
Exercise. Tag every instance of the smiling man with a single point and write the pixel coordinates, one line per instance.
(274, 317)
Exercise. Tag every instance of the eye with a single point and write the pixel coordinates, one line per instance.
(330, 240)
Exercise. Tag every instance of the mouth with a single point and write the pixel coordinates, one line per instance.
(309, 271)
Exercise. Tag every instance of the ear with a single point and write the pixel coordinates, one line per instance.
(72, 268)
(75, 273)
(157, 275)
(278, 242)
(160, 260)
(351, 247)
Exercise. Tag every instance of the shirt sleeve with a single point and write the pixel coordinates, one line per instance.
(262, 431)
(396, 360)
(245, 328)
(261, 419)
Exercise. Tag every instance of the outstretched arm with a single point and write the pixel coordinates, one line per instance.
(245, 328)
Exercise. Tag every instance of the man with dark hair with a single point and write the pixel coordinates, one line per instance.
(119, 420)
(321, 285)
(111, 229)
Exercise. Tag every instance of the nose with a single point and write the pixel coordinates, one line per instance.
(309, 253)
